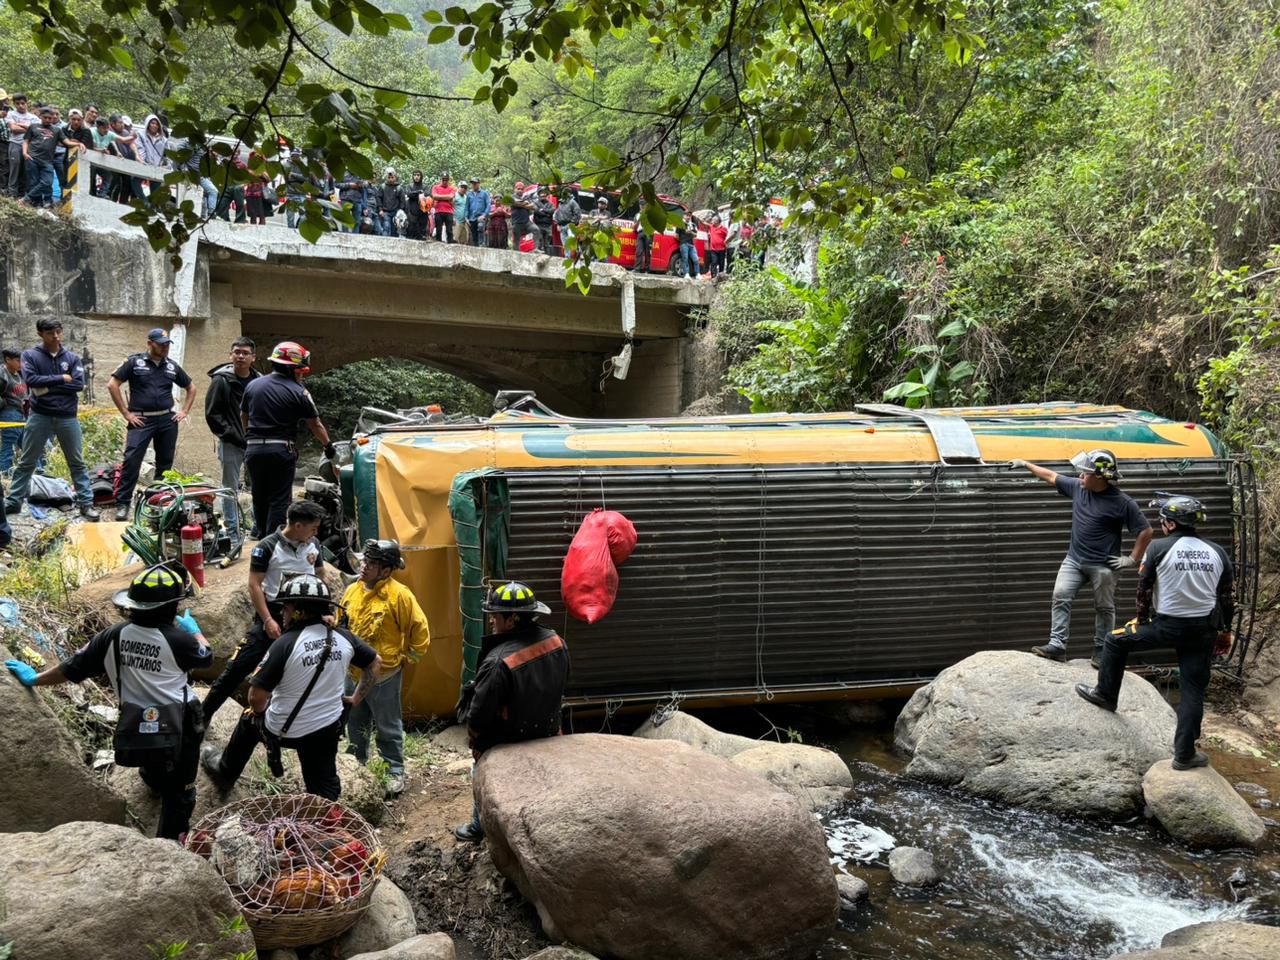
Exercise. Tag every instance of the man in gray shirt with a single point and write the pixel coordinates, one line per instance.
(1100, 512)
(16, 124)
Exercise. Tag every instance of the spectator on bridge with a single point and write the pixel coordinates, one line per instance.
(296, 181)
(521, 215)
(688, 253)
(13, 402)
(16, 123)
(55, 377)
(150, 416)
(197, 164)
(351, 192)
(125, 188)
(443, 194)
(227, 383)
(462, 229)
(391, 200)
(477, 213)
(415, 205)
(567, 216)
(499, 217)
(153, 145)
(717, 244)
(77, 131)
(544, 212)
(644, 242)
(4, 141)
(38, 152)
(255, 205)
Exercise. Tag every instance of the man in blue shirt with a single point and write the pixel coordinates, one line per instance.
(1099, 514)
(54, 378)
(270, 411)
(477, 212)
(151, 377)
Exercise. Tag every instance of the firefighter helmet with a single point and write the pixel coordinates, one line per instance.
(1100, 463)
(290, 354)
(1184, 511)
(306, 589)
(513, 597)
(154, 587)
(385, 552)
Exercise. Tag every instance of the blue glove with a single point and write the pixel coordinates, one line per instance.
(187, 622)
(26, 675)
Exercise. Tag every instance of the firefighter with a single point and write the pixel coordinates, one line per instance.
(1190, 580)
(386, 615)
(296, 697)
(292, 551)
(519, 685)
(270, 410)
(146, 659)
(1099, 514)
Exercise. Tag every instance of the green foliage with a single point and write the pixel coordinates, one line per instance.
(103, 443)
(169, 950)
(389, 384)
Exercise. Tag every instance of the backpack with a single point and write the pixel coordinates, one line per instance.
(104, 481)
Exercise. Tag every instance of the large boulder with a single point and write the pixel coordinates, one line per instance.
(652, 850)
(46, 781)
(1218, 940)
(426, 946)
(1010, 727)
(816, 777)
(1200, 808)
(913, 867)
(388, 921)
(96, 891)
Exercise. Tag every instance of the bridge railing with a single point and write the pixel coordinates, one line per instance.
(83, 166)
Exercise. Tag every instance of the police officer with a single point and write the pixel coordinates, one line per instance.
(296, 695)
(292, 551)
(519, 685)
(146, 660)
(151, 377)
(1100, 512)
(270, 411)
(1190, 579)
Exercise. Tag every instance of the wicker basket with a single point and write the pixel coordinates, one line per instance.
(301, 867)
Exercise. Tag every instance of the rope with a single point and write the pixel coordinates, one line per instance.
(665, 711)
(935, 474)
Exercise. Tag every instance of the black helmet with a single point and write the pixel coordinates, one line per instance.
(153, 588)
(306, 589)
(1101, 463)
(385, 552)
(513, 597)
(1184, 511)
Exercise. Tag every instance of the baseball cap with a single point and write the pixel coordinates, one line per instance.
(475, 179)
(4, 94)
(389, 172)
(126, 121)
(158, 335)
(600, 200)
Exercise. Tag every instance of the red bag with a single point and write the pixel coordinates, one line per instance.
(589, 578)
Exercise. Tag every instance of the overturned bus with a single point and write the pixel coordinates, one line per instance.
(793, 556)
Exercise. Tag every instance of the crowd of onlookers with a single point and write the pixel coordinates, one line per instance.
(36, 167)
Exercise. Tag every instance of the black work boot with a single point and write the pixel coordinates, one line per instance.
(1050, 652)
(1198, 760)
(469, 833)
(1098, 700)
(211, 760)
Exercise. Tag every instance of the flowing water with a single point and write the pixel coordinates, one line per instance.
(1027, 885)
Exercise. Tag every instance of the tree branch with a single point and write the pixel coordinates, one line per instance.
(835, 83)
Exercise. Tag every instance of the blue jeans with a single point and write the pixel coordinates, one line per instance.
(210, 196)
(688, 260)
(292, 217)
(478, 238)
(159, 431)
(40, 176)
(10, 439)
(1072, 575)
(232, 459)
(357, 214)
(381, 711)
(40, 427)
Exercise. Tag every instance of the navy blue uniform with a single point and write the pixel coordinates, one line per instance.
(151, 384)
(274, 405)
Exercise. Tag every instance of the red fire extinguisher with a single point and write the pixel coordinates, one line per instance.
(193, 551)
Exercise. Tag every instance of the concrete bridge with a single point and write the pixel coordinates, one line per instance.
(497, 318)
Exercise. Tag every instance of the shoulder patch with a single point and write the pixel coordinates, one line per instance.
(260, 553)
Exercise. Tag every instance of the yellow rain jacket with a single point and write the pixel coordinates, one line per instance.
(389, 619)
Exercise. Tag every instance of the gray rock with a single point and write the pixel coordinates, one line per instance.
(561, 953)
(1219, 940)
(852, 889)
(913, 866)
(452, 738)
(282, 953)
(1009, 726)
(426, 946)
(96, 891)
(388, 921)
(670, 852)
(1252, 789)
(1199, 808)
(46, 781)
(814, 776)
